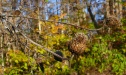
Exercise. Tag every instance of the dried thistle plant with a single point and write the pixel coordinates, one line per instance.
(78, 44)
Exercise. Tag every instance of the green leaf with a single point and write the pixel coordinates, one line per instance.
(16, 61)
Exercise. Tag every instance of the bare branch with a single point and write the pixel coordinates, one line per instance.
(75, 25)
(43, 47)
(19, 31)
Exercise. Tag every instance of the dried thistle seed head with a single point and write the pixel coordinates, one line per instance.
(113, 22)
(81, 37)
(78, 44)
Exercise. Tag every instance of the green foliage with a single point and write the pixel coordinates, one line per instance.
(13, 71)
(17, 56)
(105, 54)
(19, 62)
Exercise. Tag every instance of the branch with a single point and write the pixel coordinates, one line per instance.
(92, 17)
(43, 47)
(19, 31)
(75, 25)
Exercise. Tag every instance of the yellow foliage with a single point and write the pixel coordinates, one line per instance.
(56, 28)
(124, 4)
(57, 17)
(42, 51)
(17, 56)
(62, 15)
(42, 23)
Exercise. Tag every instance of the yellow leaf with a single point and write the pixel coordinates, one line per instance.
(16, 61)
(54, 17)
(62, 15)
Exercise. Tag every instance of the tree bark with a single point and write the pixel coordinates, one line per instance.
(92, 18)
